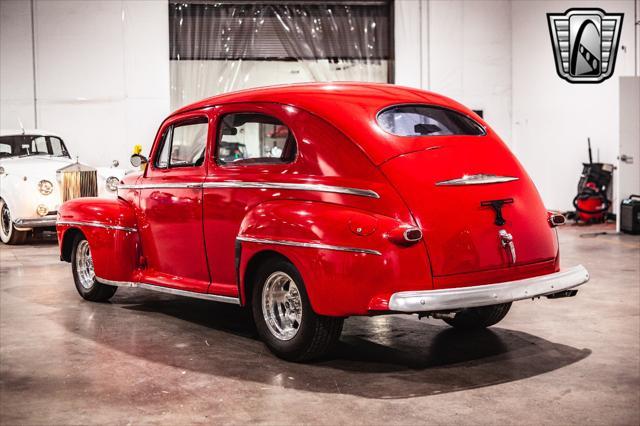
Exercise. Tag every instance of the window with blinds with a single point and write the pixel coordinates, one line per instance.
(345, 30)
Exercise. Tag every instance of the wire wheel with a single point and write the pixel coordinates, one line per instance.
(84, 265)
(282, 305)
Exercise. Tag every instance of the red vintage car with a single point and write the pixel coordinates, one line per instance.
(311, 203)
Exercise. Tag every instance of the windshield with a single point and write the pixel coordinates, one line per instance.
(31, 145)
(423, 120)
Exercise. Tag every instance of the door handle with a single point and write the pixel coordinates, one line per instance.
(626, 158)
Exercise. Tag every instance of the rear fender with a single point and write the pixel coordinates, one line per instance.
(110, 227)
(344, 279)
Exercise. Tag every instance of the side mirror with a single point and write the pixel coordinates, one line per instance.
(137, 160)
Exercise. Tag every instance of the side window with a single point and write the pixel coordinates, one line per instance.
(57, 147)
(39, 145)
(183, 144)
(248, 138)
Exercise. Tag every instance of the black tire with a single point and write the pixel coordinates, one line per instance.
(95, 292)
(8, 232)
(315, 335)
(478, 318)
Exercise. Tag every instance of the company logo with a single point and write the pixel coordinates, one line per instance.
(585, 43)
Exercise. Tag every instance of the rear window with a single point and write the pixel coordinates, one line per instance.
(421, 120)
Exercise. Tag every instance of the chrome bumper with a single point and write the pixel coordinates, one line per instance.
(41, 222)
(492, 294)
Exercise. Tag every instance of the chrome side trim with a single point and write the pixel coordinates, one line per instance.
(308, 245)
(260, 185)
(96, 225)
(480, 179)
(41, 222)
(174, 291)
(193, 185)
(484, 295)
(295, 187)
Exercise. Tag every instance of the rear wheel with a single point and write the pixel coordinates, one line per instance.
(480, 317)
(84, 275)
(8, 233)
(283, 315)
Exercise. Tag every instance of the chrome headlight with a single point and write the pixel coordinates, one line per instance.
(45, 187)
(112, 183)
(1, 170)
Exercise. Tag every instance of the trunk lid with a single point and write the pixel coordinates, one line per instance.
(458, 222)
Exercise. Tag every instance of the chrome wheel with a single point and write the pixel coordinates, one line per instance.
(282, 305)
(84, 265)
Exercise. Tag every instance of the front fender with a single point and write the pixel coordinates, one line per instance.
(110, 227)
(343, 254)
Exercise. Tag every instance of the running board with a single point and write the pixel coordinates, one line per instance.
(174, 291)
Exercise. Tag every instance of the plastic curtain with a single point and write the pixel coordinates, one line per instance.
(221, 47)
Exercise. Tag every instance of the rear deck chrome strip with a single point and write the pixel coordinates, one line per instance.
(259, 185)
(308, 245)
(480, 179)
(96, 225)
(174, 291)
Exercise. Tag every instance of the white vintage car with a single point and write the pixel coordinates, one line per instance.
(37, 174)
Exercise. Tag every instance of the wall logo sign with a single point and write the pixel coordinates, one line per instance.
(585, 43)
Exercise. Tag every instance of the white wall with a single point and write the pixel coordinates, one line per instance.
(496, 56)
(102, 72)
(553, 118)
(461, 49)
(16, 65)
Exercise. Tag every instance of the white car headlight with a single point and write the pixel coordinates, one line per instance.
(112, 183)
(45, 187)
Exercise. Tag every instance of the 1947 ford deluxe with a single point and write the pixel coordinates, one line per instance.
(311, 203)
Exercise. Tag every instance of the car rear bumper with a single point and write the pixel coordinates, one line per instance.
(40, 222)
(492, 294)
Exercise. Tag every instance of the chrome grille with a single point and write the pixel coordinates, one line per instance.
(78, 181)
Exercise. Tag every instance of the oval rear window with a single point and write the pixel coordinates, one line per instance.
(422, 120)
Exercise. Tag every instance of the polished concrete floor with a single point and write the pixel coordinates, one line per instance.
(151, 358)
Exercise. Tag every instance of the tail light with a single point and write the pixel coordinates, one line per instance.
(556, 219)
(405, 235)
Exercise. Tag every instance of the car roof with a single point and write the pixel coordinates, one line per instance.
(30, 132)
(351, 107)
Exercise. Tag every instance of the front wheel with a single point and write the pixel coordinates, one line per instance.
(84, 275)
(283, 315)
(8, 233)
(478, 318)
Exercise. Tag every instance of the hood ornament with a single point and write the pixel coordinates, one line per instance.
(506, 239)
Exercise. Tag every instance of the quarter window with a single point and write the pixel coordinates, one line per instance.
(248, 138)
(422, 120)
(183, 144)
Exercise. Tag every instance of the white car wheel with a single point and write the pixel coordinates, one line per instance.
(8, 233)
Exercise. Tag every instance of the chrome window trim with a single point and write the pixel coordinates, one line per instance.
(308, 245)
(478, 179)
(174, 291)
(259, 185)
(490, 294)
(96, 225)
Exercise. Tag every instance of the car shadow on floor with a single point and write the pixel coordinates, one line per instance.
(379, 357)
